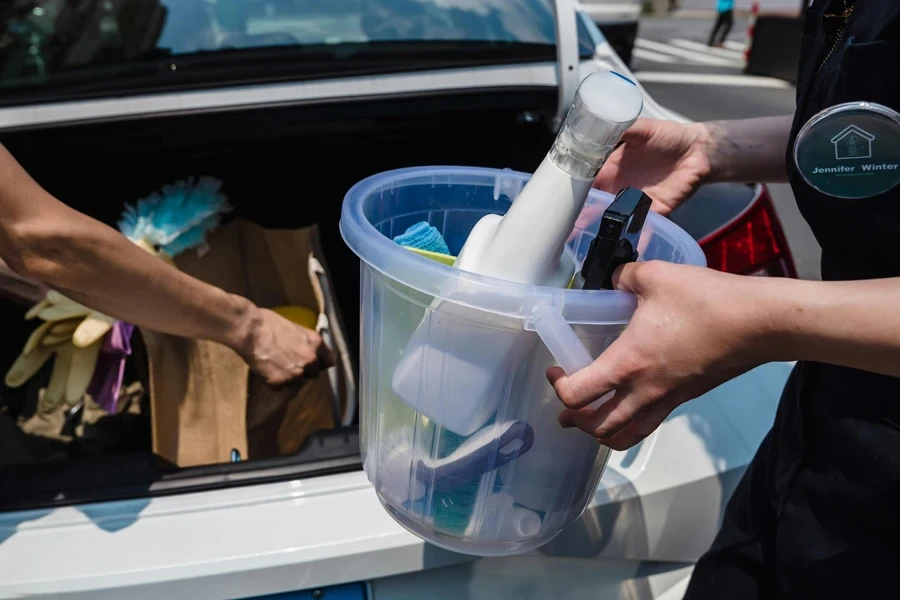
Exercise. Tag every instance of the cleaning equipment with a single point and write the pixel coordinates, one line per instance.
(452, 479)
(555, 479)
(503, 520)
(491, 448)
(72, 335)
(427, 241)
(445, 259)
(551, 483)
(617, 240)
(178, 219)
(456, 354)
(110, 371)
(423, 236)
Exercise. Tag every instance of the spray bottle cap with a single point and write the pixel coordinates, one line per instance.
(606, 104)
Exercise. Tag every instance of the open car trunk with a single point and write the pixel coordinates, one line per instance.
(281, 167)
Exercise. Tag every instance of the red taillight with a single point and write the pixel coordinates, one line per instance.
(752, 244)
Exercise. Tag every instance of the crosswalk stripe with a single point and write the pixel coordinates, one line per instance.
(682, 53)
(711, 79)
(734, 55)
(653, 56)
(739, 46)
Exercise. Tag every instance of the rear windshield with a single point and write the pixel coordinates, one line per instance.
(43, 41)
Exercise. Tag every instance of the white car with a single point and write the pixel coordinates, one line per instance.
(618, 20)
(103, 100)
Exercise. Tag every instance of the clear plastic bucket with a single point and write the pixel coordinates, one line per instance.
(514, 483)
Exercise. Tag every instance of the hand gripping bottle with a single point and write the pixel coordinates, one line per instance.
(457, 363)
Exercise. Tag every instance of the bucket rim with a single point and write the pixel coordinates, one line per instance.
(444, 282)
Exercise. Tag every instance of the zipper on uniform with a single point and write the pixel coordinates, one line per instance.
(816, 83)
(848, 10)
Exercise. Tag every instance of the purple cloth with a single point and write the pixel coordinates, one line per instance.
(107, 380)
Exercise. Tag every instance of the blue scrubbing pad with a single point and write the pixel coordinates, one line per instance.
(423, 236)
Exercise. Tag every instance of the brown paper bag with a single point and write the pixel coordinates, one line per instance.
(205, 402)
(198, 398)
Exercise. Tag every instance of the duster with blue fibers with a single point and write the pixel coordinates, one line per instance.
(178, 218)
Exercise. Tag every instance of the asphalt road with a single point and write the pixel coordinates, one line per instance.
(673, 62)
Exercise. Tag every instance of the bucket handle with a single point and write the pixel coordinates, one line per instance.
(572, 356)
(560, 340)
(563, 344)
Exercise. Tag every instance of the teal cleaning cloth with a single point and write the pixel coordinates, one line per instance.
(423, 236)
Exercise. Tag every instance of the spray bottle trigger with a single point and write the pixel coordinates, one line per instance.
(617, 241)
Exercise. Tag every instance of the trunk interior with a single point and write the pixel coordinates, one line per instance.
(281, 167)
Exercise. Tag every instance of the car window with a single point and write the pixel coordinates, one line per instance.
(43, 39)
(194, 25)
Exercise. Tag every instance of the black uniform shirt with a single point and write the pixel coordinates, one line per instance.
(835, 454)
(817, 513)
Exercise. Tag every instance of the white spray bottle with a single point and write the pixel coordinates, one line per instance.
(454, 368)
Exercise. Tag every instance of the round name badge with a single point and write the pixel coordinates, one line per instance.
(850, 150)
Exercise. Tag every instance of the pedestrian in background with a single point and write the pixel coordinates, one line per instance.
(724, 22)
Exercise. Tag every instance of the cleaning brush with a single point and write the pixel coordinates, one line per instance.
(178, 218)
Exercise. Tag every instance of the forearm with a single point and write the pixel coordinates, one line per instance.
(47, 241)
(98, 267)
(850, 323)
(748, 150)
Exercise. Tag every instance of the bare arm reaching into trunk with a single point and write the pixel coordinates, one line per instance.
(43, 239)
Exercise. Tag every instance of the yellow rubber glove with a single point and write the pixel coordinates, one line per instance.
(72, 335)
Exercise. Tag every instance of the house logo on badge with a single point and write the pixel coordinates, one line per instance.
(853, 143)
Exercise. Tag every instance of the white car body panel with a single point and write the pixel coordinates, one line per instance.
(531, 577)
(606, 12)
(656, 510)
(262, 539)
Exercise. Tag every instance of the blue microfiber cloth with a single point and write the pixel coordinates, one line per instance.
(423, 236)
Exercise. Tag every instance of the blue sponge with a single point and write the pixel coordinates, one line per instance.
(423, 236)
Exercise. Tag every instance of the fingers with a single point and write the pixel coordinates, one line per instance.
(637, 278)
(292, 384)
(292, 376)
(313, 339)
(646, 423)
(285, 352)
(639, 132)
(620, 423)
(585, 386)
(307, 364)
(605, 421)
(606, 374)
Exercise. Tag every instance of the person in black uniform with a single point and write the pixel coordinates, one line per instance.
(817, 513)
